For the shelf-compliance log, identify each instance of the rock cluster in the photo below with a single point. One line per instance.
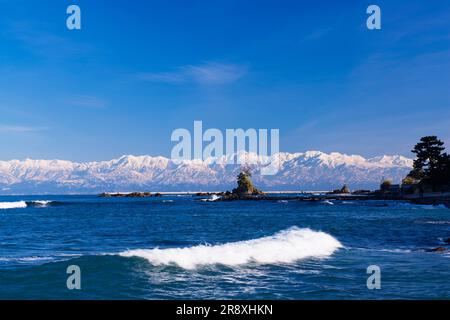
(130, 195)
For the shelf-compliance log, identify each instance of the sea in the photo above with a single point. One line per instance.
(188, 247)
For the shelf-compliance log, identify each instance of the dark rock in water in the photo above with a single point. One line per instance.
(245, 186)
(244, 191)
(447, 241)
(438, 249)
(136, 195)
(158, 195)
(235, 196)
(362, 192)
(128, 195)
(203, 194)
(343, 190)
(105, 195)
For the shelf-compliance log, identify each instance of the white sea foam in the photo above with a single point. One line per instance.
(327, 202)
(212, 199)
(25, 259)
(42, 203)
(396, 250)
(437, 222)
(385, 250)
(13, 205)
(285, 246)
(32, 259)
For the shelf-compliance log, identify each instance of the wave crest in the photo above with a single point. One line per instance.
(286, 246)
(24, 204)
(41, 203)
(213, 198)
(13, 205)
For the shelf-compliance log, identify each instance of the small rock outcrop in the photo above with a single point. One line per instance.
(343, 190)
(128, 195)
(245, 189)
(245, 185)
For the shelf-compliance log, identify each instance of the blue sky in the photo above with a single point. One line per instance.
(139, 69)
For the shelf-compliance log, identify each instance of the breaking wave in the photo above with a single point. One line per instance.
(286, 246)
(40, 203)
(13, 205)
(24, 204)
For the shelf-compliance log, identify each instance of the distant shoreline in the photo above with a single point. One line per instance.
(213, 192)
(153, 192)
(436, 198)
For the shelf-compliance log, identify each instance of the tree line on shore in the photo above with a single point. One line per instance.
(431, 168)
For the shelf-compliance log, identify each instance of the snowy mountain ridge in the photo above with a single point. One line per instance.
(311, 170)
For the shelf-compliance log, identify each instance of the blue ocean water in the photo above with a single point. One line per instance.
(178, 247)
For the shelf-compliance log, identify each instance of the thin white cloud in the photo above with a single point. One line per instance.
(210, 73)
(20, 129)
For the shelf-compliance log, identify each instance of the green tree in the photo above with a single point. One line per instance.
(408, 180)
(385, 185)
(442, 176)
(432, 165)
(429, 154)
(245, 185)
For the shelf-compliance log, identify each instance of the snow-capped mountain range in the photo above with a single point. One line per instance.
(312, 170)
